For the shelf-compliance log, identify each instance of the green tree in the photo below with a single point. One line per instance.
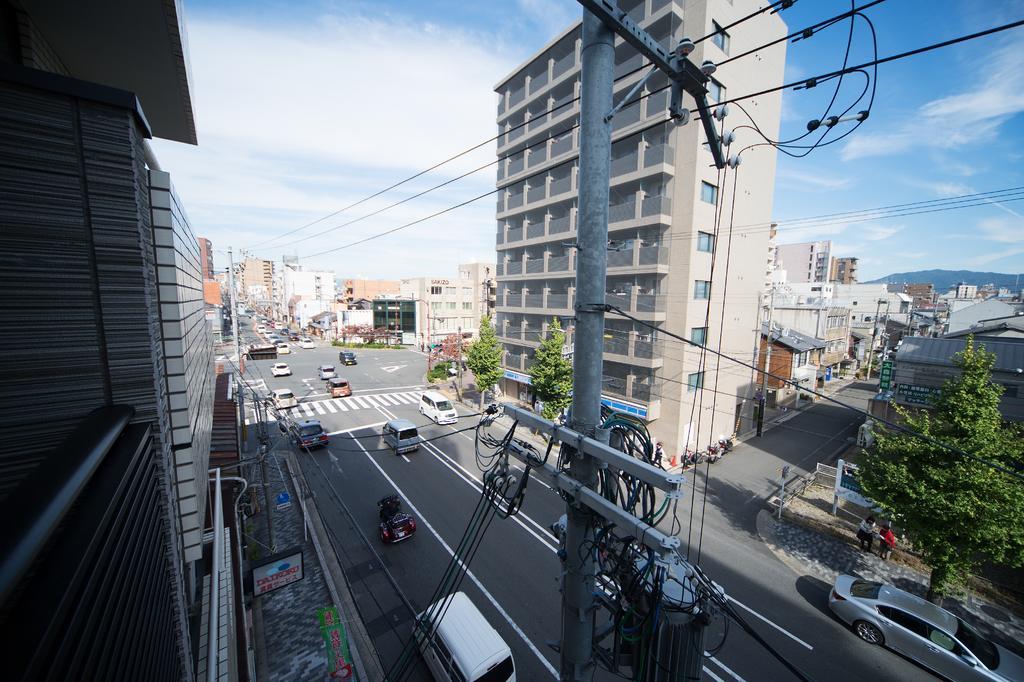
(484, 358)
(551, 372)
(956, 511)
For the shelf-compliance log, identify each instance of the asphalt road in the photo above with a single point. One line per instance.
(513, 576)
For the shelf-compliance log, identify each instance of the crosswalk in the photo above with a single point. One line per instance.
(356, 402)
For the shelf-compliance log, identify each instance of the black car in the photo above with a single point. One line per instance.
(395, 525)
(293, 336)
(309, 433)
(347, 357)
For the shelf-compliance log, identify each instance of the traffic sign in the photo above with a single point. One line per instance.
(284, 500)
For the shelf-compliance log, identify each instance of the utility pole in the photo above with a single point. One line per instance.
(240, 415)
(598, 55)
(874, 335)
(459, 365)
(763, 401)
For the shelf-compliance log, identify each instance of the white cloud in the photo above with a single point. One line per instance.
(972, 116)
(551, 17)
(911, 255)
(877, 233)
(987, 258)
(942, 188)
(791, 177)
(1005, 230)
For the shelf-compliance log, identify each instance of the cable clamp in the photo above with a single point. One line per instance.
(592, 308)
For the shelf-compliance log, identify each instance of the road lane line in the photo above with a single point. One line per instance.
(307, 409)
(391, 399)
(318, 406)
(713, 676)
(389, 388)
(340, 404)
(329, 405)
(514, 466)
(478, 488)
(469, 573)
(403, 398)
(780, 629)
(724, 667)
(356, 428)
(358, 400)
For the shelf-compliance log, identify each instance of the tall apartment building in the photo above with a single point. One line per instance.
(306, 293)
(805, 262)
(664, 190)
(106, 424)
(258, 286)
(843, 270)
(447, 306)
(206, 257)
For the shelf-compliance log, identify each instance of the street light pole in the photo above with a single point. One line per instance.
(763, 401)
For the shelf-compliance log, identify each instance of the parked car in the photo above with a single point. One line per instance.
(281, 369)
(401, 434)
(339, 388)
(309, 433)
(284, 398)
(283, 348)
(923, 632)
(326, 372)
(395, 525)
(307, 343)
(347, 357)
(261, 329)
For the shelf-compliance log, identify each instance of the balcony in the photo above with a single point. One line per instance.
(538, 121)
(562, 146)
(559, 225)
(517, 96)
(514, 267)
(517, 131)
(515, 234)
(564, 65)
(662, 153)
(653, 255)
(538, 155)
(557, 301)
(625, 164)
(623, 211)
(516, 165)
(534, 301)
(536, 193)
(515, 201)
(618, 259)
(535, 266)
(534, 230)
(558, 264)
(627, 116)
(656, 206)
(513, 299)
(616, 345)
(633, 62)
(539, 81)
(561, 186)
(499, 269)
(657, 104)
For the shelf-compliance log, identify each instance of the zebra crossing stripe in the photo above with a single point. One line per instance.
(329, 405)
(340, 404)
(401, 398)
(391, 399)
(307, 409)
(358, 401)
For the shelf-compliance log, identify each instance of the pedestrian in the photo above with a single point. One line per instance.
(887, 541)
(866, 533)
(659, 453)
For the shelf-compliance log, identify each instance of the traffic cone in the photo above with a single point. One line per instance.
(673, 459)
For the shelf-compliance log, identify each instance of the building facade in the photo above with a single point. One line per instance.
(922, 294)
(206, 256)
(805, 262)
(355, 289)
(843, 270)
(820, 320)
(793, 363)
(448, 306)
(305, 293)
(258, 283)
(664, 193)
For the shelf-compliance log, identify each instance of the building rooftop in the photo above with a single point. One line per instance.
(926, 350)
(1012, 322)
(793, 339)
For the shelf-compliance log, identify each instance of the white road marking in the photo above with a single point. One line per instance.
(356, 428)
(780, 629)
(389, 398)
(469, 573)
(712, 675)
(360, 401)
(724, 667)
(307, 409)
(403, 398)
(319, 407)
(340, 404)
(329, 405)
(372, 399)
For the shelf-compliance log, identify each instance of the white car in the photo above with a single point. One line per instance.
(306, 342)
(262, 329)
(326, 372)
(284, 398)
(281, 369)
(283, 348)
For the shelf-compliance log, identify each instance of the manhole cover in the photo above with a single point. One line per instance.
(995, 613)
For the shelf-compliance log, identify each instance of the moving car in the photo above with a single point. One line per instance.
(262, 329)
(438, 408)
(347, 357)
(306, 342)
(464, 645)
(401, 434)
(921, 631)
(281, 369)
(293, 336)
(395, 525)
(283, 348)
(284, 398)
(339, 388)
(326, 372)
(309, 433)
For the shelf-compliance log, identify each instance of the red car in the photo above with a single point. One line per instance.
(395, 525)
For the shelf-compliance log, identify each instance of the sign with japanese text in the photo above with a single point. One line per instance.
(916, 395)
(282, 569)
(339, 659)
(885, 376)
(848, 487)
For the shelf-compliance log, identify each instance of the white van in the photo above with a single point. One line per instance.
(464, 645)
(438, 408)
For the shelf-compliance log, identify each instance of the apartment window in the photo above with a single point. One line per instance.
(708, 192)
(467, 291)
(720, 37)
(451, 305)
(702, 289)
(435, 291)
(716, 91)
(436, 306)
(694, 382)
(467, 305)
(699, 335)
(705, 242)
(449, 291)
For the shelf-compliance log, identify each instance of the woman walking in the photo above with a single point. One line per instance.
(866, 533)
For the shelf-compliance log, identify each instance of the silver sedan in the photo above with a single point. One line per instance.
(935, 638)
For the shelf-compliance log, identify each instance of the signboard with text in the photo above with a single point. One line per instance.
(282, 569)
(916, 395)
(339, 659)
(885, 376)
(848, 487)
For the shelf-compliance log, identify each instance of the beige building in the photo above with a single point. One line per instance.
(446, 306)
(843, 270)
(805, 262)
(353, 290)
(664, 191)
(258, 276)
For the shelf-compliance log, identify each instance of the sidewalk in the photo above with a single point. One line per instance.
(821, 557)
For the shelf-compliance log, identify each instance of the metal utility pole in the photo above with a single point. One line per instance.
(598, 55)
(874, 335)
(763, 401)
(240, 415)
(459, 365)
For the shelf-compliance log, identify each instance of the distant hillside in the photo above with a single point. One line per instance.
(943, 280)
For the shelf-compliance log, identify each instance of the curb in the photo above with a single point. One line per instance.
(368, 668)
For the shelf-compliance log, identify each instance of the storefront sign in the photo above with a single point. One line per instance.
(283, 569)
(885, 376)
(916, 395)
(848, 487)
(518, 376)
(442, 282)
(623, 406)
(339, 659)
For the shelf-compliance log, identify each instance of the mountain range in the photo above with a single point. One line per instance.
(943, 280)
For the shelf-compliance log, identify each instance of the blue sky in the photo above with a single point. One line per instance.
(305, 107)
